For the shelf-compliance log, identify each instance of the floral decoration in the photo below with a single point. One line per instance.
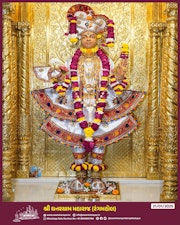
(111, 188)
(89, 142)
(73, 36)
(87, 166)
(62, 88)
(115, 192)
(60, 190)
(110, 34)
(87, 187)
(124, 51)
(118, 87)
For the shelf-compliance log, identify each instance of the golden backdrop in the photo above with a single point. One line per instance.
(127, 157)
(33, 33)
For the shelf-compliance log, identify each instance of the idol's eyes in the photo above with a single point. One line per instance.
(88, 36)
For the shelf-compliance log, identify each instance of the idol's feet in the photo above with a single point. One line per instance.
(77, 185)
(97, 184)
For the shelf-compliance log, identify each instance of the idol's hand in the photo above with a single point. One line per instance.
(122, 69)
(57, 73)
(57, 70)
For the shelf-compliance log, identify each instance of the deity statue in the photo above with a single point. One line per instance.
(89, 104)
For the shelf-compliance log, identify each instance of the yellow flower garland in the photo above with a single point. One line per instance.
(88, 132)
(89, 50)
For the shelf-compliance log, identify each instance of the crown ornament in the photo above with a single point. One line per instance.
(82, 18)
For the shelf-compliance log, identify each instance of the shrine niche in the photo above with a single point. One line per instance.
(29, 40)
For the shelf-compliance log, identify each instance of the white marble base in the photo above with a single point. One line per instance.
(42, 189)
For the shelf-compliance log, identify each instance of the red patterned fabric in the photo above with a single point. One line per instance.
(129, 102)
(71, 139)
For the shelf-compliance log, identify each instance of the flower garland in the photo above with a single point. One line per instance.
(62, 88)
(89, 50)
(73, 36)
(88, 142)
(124, 51)
(110, 34)
(118, 87)
(87, 166)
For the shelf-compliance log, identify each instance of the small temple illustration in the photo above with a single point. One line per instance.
(29, 214)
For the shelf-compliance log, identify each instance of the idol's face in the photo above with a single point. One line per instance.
(88, 39)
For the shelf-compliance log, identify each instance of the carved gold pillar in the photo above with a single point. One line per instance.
(8, 129)
(23, 29)
(153, 122)
(14, 103)
(170, 151)
(163, 112)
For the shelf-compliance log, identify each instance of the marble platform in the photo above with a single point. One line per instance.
(42, 189)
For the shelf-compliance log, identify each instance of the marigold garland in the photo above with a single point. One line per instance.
(87, 166)
(124, 51)
(88, 142)
(89, 50)
(110, 34)
(73, 37)
(62, 88)
(118, 87)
